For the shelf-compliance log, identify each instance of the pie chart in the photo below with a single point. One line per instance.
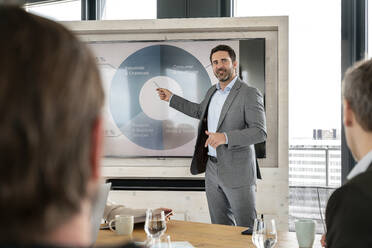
(135, 106)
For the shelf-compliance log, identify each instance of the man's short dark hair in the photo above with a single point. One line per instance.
(357, 91)
(50, 99)
(223, 48)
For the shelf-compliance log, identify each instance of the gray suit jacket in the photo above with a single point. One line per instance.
(243, 120)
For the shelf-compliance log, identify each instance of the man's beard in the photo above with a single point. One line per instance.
(225, 77)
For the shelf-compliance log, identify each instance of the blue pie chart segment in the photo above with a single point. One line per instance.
(130, 77)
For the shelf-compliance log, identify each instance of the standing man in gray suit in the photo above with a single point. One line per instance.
(232, 120)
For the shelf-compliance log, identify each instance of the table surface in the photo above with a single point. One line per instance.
(201, 235)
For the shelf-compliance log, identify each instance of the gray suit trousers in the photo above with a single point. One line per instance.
(229, 205)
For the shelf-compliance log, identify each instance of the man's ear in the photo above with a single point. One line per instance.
(348, 114)
(235, 64)
(96, 148)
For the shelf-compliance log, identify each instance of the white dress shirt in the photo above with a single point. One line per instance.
(361, 166)
(214, 111)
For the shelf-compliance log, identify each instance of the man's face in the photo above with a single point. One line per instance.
(223, 67)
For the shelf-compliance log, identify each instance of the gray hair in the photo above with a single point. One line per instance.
(357, 91)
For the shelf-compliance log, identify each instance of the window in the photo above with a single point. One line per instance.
(128, 9)
(68, 10)
(314, 97)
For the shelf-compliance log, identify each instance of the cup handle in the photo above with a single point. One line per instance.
(110, 225)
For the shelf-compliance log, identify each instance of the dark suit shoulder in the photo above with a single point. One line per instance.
(362, 181)
(348, 214)
(360, 185)
(355, 190)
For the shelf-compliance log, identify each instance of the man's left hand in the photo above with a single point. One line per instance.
(215, 139)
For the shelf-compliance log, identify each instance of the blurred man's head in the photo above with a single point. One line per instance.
(357, 94)
(50, 103)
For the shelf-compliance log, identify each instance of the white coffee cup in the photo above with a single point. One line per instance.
(123, 224)
(305, 232)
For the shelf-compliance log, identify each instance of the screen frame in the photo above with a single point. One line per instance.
(273, 29)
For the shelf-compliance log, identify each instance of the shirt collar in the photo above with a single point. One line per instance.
(361, 166)
(229, 86)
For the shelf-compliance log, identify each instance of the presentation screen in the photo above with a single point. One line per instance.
(137, 123)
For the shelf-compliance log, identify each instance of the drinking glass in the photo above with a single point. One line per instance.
(155, 224)
(270, 235)
(264, 233)
(257, 233)
(162, 242)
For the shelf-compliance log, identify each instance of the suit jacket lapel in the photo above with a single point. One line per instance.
(230, 98)
(208, 100)
(200, 158)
